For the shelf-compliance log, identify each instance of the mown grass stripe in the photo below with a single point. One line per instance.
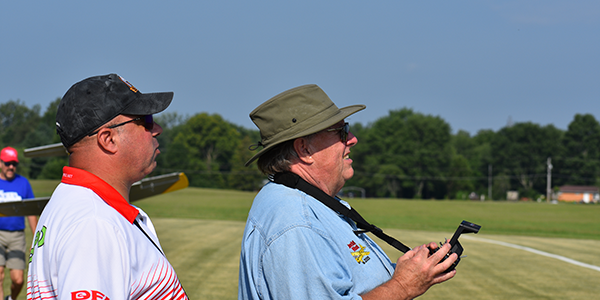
(539, 252)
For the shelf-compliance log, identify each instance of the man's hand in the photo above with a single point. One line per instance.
(416, 271)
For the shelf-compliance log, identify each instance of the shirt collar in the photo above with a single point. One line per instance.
(88, 180)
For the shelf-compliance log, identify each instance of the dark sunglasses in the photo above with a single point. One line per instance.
(11, 163)
(344, 130)
(148, 123)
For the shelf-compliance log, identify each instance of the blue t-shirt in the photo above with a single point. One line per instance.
(16, 189)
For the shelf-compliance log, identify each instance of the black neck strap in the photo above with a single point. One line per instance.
(153, 243)
(294, 181)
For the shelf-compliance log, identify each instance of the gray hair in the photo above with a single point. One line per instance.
(279, 158)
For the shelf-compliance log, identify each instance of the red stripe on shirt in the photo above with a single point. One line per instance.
(109, 194)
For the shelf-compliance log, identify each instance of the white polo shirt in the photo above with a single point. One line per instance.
(87, 247)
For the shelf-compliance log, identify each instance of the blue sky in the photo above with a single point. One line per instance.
(476, 64)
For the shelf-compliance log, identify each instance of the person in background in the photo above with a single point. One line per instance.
(90, 243)
(12, 229)
(294, 245)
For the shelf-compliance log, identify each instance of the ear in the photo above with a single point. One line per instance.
(106, 139)
(302, 148)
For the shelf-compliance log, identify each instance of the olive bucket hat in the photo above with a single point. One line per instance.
(295, 113)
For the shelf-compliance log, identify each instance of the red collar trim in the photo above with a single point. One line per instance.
(88, 180)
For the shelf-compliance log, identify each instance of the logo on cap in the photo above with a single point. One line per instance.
(131, 87)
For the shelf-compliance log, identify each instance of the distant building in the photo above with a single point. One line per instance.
(512, 195)
(348, 192)
(579, 193)
(473, 196)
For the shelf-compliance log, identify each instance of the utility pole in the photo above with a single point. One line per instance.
(549, 181)
(490, 182)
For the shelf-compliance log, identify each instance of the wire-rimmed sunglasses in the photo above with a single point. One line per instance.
(148, 123)
(344, 130)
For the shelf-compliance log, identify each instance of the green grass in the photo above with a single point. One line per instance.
(205, 254)
(43, 188)
(522, 218)
(198, 203)
(563, 220)
(200, 231)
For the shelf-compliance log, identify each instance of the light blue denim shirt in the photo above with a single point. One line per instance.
(294, 247)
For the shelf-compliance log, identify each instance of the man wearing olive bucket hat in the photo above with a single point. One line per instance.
(301, 241)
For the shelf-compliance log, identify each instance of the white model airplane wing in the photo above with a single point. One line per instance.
(47, 150)
(144, 188)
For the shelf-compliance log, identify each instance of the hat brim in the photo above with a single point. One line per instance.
(149, 103)
(342, 113)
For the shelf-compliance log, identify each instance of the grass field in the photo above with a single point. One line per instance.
(200, 231)
(496, 217)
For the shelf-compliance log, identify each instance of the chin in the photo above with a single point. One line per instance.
(348, 175)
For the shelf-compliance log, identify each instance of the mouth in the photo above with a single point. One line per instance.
(155, 154)
(347, 156)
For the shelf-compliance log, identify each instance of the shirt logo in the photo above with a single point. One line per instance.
(91, 295)
(9, 196)
(40, 237)
(359, 253)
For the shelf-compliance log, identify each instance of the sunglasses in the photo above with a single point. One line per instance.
(11, 163)
(148, 123)
(344, 130)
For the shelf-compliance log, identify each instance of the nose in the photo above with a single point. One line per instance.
(352, 139)
(157, 129)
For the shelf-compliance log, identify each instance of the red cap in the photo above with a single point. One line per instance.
(9, 154)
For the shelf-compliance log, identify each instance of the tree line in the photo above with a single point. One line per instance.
(405, 154)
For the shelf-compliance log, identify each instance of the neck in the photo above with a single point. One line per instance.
(314, 179)
(105, 168)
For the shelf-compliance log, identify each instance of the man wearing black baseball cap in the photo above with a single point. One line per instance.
(90, 243)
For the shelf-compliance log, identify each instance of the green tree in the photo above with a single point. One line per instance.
(48, 121)
(203, 147)
(171, 159)
(241, 177)
(521, 152)
(44, 134)
(480, 159)
(581, 160)
(53, 168)
(363, 171)
(171, 123)
(22, 127)
(500, 186)
(405, 154)
(477, 152)
(459, 177)
(16, 121)
(463, 143)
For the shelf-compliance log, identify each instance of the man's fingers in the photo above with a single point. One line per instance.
(441, 252)
(432, 246)
(443, 266)
(443, 277)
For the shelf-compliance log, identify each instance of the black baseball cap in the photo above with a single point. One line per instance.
(94, 101)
